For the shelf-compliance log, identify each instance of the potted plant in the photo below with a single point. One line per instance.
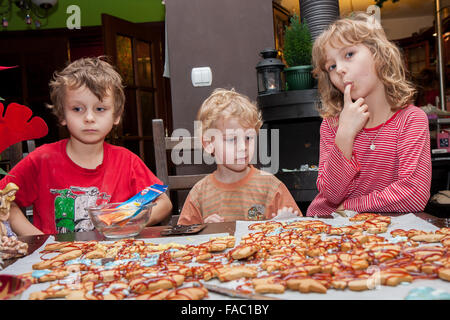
(297, 54)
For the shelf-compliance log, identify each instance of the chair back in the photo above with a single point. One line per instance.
(14, 153)
(162, 144)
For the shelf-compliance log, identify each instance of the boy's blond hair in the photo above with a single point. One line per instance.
(223, 104)
(96, 74)
(361, 28)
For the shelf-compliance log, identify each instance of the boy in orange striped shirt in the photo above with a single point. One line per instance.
(236, 190)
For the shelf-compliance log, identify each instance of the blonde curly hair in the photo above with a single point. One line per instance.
(361, 28)
(96, 74)
(224, 104)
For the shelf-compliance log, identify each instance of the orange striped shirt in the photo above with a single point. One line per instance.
(254, 197)
(395, 177)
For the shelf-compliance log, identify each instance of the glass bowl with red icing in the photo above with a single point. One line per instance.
(114, 221)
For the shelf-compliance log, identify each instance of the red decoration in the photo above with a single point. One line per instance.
(4, 68)
(16, 125)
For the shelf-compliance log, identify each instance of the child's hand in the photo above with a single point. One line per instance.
(214, 218)
(340, 207)
(285, 210)
(354, 115)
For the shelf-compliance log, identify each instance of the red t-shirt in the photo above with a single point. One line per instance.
(60, 190)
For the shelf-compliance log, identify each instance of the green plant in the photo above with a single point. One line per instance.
(297, 43)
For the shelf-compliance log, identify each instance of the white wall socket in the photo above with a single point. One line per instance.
(201, 77)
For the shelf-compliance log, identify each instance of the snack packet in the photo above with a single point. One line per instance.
(136, 202)
(145, 196)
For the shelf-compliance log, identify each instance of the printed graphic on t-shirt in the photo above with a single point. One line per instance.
(256, 212)
(70, 207)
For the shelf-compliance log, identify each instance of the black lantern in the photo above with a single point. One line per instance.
(269, 72)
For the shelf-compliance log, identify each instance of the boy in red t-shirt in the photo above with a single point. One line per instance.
(60, 180)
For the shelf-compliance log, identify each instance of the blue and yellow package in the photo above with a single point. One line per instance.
(137, 202)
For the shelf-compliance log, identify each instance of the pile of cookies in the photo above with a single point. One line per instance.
(11, 247)
(312, 256)
(301, 256)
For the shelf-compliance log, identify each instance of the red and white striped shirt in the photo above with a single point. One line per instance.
(395, 177)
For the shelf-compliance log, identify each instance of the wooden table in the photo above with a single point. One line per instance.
(35, 242)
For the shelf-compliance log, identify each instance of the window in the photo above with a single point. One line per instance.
(417, 57)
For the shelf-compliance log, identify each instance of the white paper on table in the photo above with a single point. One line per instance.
(405, 221)
(24, 265)
(348, 214)
(284, 215)
(402, 221)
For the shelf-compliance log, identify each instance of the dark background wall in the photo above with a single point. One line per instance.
(227, 36)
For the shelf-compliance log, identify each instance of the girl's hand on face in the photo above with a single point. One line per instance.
(214, 218)
(354, 115)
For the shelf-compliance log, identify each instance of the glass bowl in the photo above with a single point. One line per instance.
(12, 287)
(105, 216)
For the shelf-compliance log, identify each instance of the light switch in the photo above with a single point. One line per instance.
(201, 76)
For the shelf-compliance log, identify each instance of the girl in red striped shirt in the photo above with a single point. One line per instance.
(374, 145)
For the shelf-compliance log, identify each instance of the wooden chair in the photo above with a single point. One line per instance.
(162, 144)
(16, 152)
